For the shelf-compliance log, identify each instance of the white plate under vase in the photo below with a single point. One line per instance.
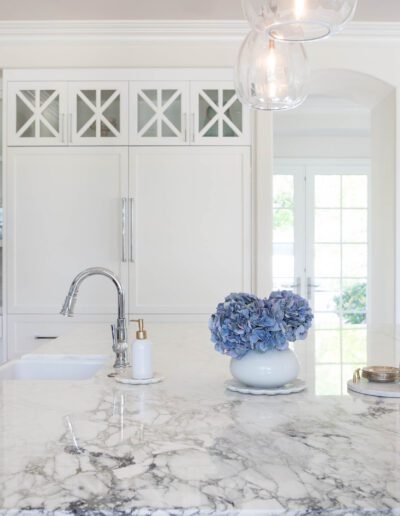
(268, 370)
(290, 388)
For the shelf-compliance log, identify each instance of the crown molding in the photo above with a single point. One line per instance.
(168, 30)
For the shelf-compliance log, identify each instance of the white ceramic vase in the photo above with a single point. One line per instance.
(266, 370)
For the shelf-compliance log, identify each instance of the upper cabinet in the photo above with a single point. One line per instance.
(187, 113)
(67, 113)
(37, 113)
(159, 113)
(126, 112)
(98, 114)
(218, 117)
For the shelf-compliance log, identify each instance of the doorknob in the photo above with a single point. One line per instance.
(296, 286)
(310, 287)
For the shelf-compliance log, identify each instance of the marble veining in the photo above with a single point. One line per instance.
(188, 447)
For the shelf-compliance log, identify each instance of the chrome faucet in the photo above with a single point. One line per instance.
(119, 330)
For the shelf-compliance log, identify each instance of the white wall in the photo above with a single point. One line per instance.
(382, 213)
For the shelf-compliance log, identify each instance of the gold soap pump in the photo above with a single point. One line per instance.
(142, 354)
(141, 333)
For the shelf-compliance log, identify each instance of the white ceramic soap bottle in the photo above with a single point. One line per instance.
(142, 354)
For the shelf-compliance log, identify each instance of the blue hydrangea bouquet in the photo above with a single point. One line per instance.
(244, 322)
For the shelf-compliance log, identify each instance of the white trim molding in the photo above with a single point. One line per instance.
(168, 30)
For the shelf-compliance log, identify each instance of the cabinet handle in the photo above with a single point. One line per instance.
(123, 229)
(45, 337)
(185, 126)
(62, 122)
(192, 127)
(70, 128)
(132, 229)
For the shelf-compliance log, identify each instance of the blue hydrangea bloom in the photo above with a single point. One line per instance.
(293, 311)
(243, 322)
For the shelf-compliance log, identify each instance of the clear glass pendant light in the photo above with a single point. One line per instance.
(299, 20)
(271, 75)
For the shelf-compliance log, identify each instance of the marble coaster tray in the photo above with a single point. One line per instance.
(363, 386)
(290, 388)
(132, 381)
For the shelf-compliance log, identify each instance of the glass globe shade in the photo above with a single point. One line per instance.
(271, 75)
(299, 20)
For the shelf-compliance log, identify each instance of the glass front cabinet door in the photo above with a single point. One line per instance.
(159, 113)
(37, 113)
(218, 117)
(98, 113)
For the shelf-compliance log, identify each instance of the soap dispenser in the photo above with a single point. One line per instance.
(142, 354)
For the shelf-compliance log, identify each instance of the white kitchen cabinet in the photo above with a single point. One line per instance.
(37, 113)
(187, 113)
(217, 115)
(26, 332)
(67, 113)
(190, 225)
(64, 213)
(159, 112)
(98, 113)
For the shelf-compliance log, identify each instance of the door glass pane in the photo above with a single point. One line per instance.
(91, 131)
(90, 95)
(283, 265)
(29, 132)
(45, 131)
(105, 95)
(327, 191)
(151, 131)
(327, 225)
(24, 114)
(235, 114)
(213, 131)
(174, 114)
(206, 114)
(145, 113)
(83, 114)
(341, 272)
(51, 114)
(45, 95)
(112, 114)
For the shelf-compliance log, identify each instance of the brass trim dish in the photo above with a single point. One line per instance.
(381, 374)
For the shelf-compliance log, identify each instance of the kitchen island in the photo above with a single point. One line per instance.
(188, 446)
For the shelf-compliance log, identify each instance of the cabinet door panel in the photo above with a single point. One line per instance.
(25, 333)
(98, 113)
(63, 215)
(218, 117)
(159, 113)
(36, 113)
(191, 228)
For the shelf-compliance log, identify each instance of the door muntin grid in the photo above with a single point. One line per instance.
(159, 113)
(220, 114)
(98, 113)
(37, 113)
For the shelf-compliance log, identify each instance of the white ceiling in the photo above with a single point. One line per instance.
(368, 10)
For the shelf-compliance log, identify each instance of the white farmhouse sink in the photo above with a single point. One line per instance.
(53, 367)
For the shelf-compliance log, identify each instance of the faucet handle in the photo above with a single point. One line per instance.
(114, 336)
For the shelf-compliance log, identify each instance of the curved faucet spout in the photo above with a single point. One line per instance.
(119, 330)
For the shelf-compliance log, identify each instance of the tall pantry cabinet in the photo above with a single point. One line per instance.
(147, 176)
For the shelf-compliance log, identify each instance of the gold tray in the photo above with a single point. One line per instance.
(381, 374)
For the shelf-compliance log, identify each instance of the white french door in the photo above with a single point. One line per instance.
(321, 252)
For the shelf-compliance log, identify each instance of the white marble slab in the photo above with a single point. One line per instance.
(188, 446)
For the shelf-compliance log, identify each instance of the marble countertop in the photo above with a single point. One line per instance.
(188, 446)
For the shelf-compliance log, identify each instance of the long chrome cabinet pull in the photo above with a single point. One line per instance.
(123, 229)
(62, 128)
(185, 126)
(192, 128)
(45, 337)
(132, 229)
(70, 128)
